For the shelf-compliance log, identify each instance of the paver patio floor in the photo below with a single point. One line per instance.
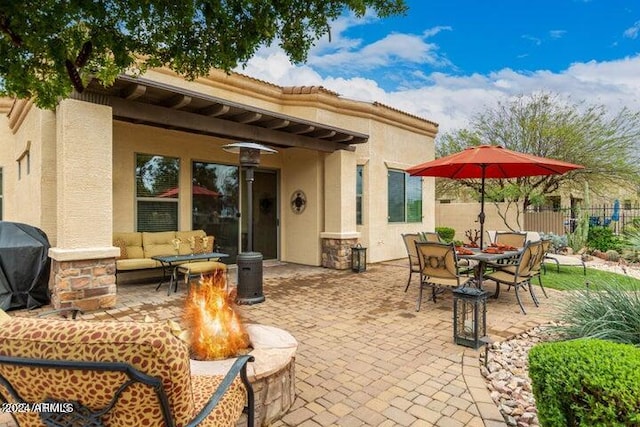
(365, 356)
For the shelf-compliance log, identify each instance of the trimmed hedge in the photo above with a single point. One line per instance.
(586, 382)
(446, 233)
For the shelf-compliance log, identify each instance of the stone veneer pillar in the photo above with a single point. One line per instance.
(339, 210)
(336, 252)
(83, 258)
(86, 284)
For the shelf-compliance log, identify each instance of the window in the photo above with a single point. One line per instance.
(157, 192)
(215, 190)
(404, 197)
(359, 172)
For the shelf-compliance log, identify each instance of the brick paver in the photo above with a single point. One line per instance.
(365, 356)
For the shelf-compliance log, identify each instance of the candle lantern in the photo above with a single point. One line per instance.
(470, 317)
(358, 258)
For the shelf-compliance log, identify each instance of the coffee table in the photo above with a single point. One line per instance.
(171, 262)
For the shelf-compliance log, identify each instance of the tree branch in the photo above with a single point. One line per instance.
(4, 26)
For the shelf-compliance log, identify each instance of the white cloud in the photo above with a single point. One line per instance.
(557, 34)
(392, 49)
(632, 32)
(535, 40)
(450, 100)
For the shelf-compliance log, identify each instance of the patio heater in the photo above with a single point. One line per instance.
(470, 317)
(249, 263)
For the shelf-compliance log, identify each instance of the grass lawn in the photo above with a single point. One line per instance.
(574, 278)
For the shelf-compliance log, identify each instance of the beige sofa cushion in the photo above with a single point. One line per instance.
(132, 243)
(136, 264)
(158, 243)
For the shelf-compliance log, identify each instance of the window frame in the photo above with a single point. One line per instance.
(408, 184)
(359, 194)
(155, 199)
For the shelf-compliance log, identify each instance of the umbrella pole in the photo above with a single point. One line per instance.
(481, 216)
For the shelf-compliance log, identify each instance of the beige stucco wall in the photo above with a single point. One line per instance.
(302, 170)
(391, 148)
(464, 216)
(83, 153)
(31, 197)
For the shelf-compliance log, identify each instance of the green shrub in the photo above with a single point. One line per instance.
(612, 255)
(603, 239)
(586, 383)
(607, 311)
(557, 242)
(446, 233)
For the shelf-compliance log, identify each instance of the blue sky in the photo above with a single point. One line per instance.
(449, 59)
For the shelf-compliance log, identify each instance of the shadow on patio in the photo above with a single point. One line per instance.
(365, 356)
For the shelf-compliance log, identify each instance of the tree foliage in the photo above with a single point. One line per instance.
(48, 47)
(547, 125)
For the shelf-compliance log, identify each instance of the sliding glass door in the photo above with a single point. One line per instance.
(216, 190)
(215, 199)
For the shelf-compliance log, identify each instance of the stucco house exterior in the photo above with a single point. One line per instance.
(145, 155)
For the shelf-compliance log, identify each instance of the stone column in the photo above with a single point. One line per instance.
(339, 210)
(83, 260)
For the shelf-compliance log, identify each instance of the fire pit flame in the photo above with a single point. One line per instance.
(216, 328)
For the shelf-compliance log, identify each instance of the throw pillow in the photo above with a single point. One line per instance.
(202, 245)
(198, 247)
(207, 242)
(123, 248)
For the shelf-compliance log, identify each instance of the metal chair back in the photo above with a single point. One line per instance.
(514, 239)
(438, 260)
(430, 236)
(410, 240)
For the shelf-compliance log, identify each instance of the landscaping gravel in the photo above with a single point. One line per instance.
(506, 369)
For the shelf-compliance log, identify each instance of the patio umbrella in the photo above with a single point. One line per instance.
(490, 161)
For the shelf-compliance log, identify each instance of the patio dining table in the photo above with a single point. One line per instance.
(485, 259)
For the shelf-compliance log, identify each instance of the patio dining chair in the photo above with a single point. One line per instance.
(517, 275)
(430, 236)
(511, 238)
(540, 249)
(438, 268)
(410, 240)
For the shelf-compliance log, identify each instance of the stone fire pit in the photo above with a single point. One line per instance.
(272, 374)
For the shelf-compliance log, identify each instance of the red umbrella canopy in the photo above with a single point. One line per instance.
(491, 161)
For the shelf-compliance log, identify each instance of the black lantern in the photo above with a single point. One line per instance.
(249, 263)
(358, 258)
(470, 317)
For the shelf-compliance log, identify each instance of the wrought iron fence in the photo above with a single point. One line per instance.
(563, 221)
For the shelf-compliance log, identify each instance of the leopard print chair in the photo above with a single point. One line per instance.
(150, 348)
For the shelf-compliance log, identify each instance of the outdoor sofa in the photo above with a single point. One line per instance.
(137, 248)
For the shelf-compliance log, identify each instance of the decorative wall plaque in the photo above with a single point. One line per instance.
(298, 201)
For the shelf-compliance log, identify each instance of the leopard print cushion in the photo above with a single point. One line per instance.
(203, 244)
(227, 412)
(120, 243)
(149, 347)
